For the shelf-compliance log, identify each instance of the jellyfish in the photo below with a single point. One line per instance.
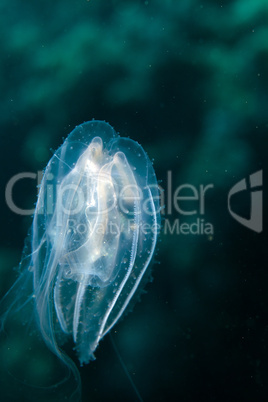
(92, 239)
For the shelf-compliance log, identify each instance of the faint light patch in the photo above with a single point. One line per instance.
(36, 147)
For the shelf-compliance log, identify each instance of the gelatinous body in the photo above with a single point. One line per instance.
(93, 236)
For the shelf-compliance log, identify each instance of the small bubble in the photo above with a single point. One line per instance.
(50, 176)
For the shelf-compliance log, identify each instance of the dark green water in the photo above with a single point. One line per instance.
(187, 80)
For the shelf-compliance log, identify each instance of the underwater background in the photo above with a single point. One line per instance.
(188, 80)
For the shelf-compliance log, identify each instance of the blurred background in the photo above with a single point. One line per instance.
(188, 80)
